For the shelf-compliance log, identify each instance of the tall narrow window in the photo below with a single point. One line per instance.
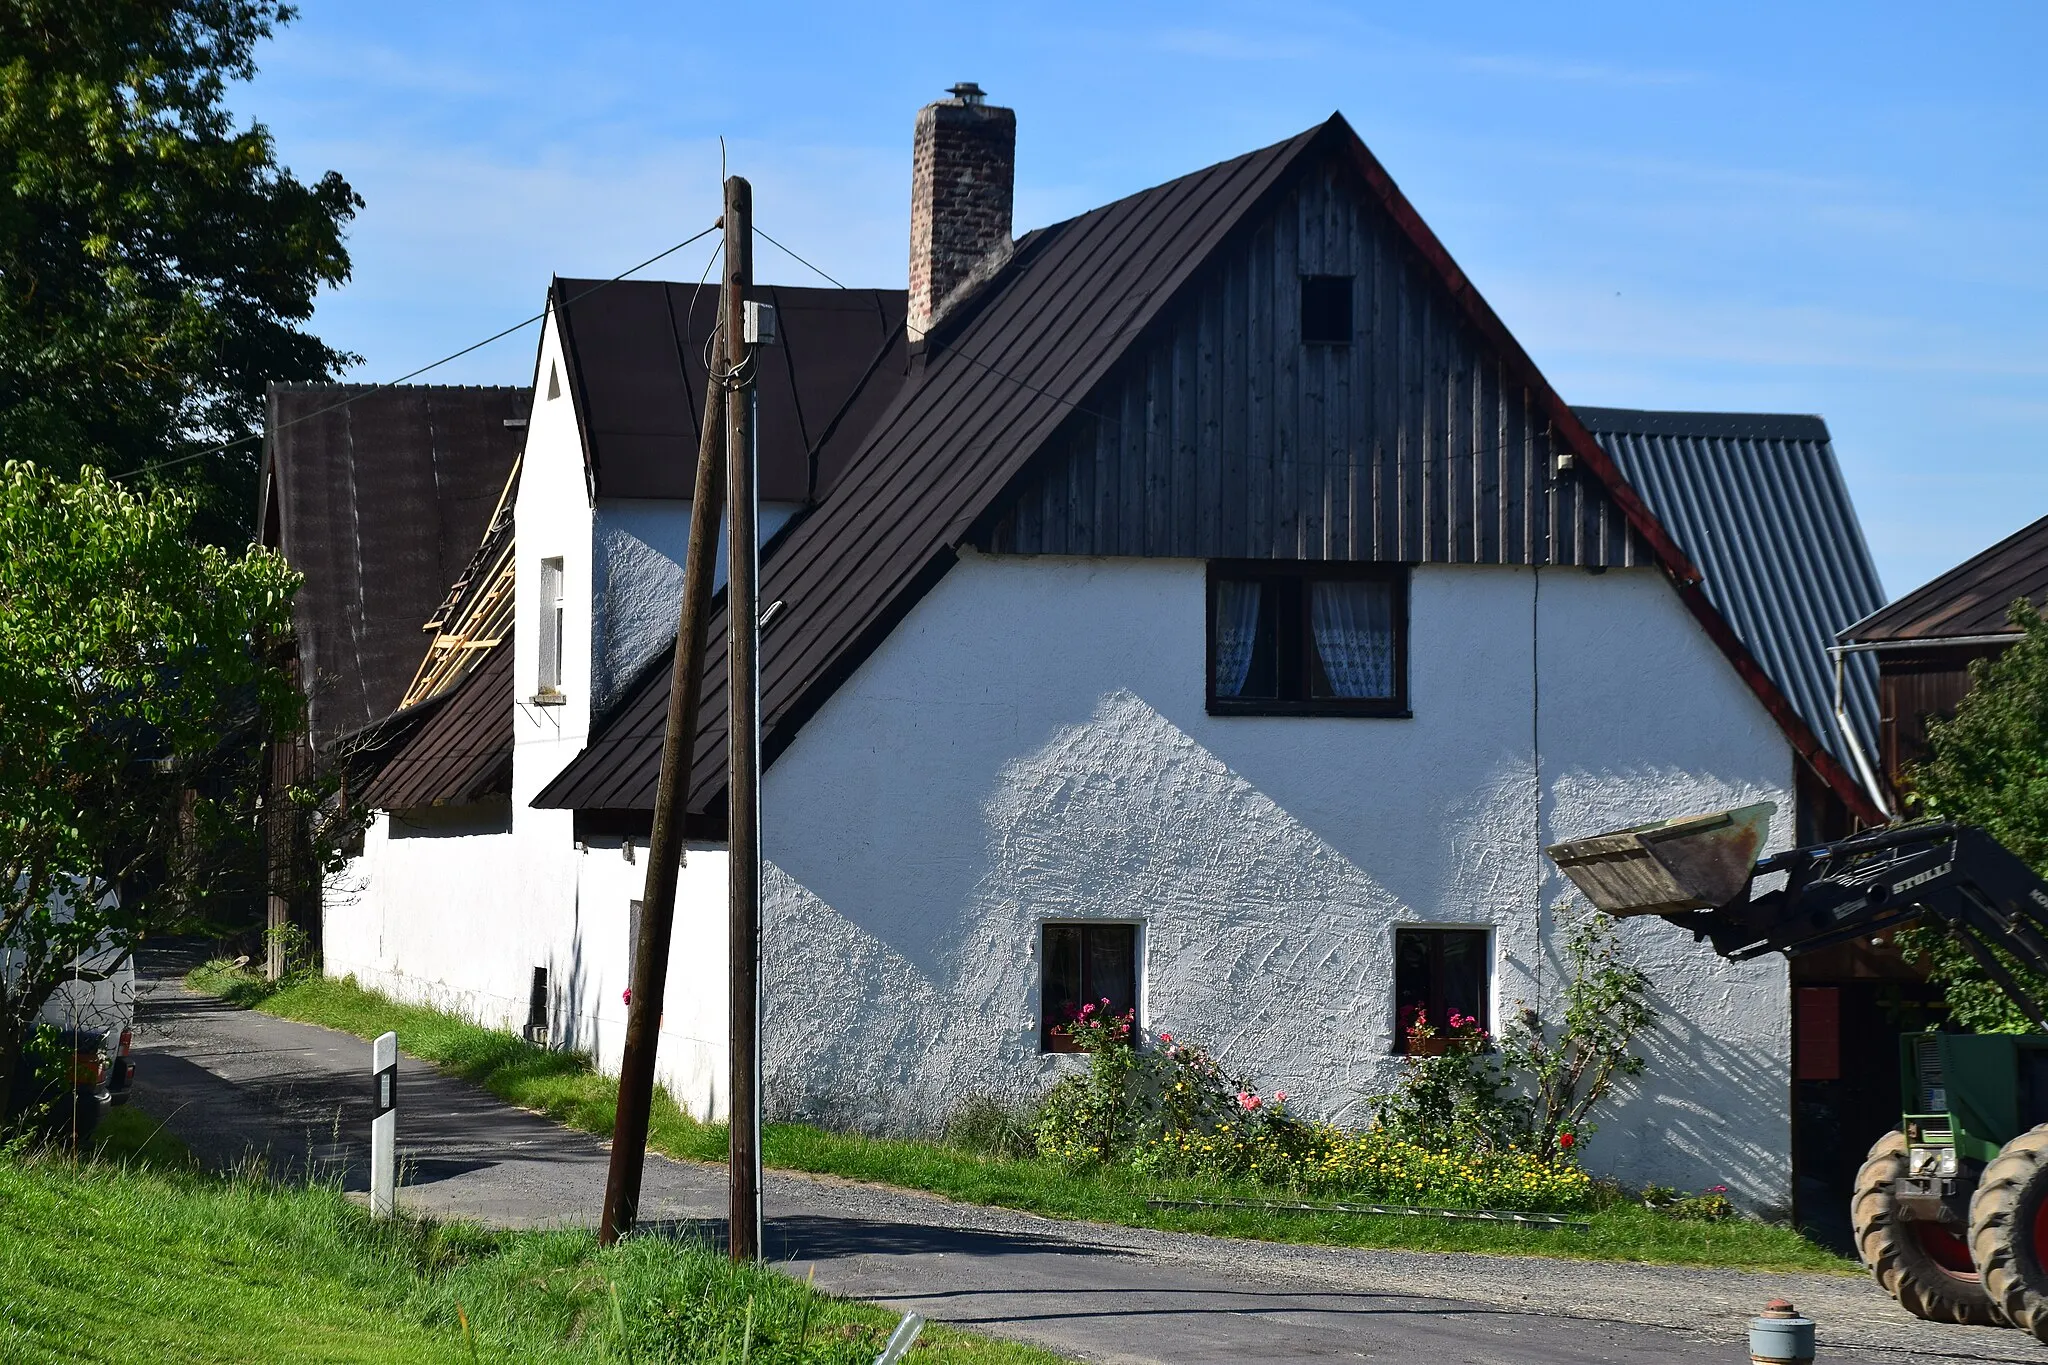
(551, 612)
(1438, 973)
(1085, 964)
(1307, 639)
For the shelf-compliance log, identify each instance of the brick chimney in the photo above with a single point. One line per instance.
(963, 166)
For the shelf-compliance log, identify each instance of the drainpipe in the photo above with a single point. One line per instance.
(1863, 768)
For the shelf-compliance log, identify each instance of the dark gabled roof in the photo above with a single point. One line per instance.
(635, 352)
(994, 381)
(463, 750)
(1758, 502)
(379, 496)
(1970, 599)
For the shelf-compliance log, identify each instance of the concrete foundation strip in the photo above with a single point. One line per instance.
(1536, 1220)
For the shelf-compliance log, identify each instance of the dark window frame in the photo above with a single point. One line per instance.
(1341, 295)
(1295, 639)
(1436, 935)
(1088, 990)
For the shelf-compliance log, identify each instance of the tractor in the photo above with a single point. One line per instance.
(1951, 1208)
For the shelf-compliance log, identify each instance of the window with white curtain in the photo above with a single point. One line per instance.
(1308, 639)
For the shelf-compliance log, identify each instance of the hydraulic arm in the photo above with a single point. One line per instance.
(1950, 1209)
(1862, 885)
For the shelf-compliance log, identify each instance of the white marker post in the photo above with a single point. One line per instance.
(384, 1127)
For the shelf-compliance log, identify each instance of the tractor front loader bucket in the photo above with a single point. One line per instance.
(1702, 862)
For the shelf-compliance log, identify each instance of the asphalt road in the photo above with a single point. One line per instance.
(241, 1086)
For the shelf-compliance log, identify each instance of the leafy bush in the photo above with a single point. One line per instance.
(1535, 1092)
(1989, 767)
(1710, 1205)
(1171, 1111)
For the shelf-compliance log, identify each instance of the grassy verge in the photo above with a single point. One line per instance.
(563, 1086)
(131, 1256)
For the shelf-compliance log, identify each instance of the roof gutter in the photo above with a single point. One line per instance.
(1928, 642)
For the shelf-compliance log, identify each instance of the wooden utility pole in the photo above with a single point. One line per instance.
(671, 804)
(743, 693)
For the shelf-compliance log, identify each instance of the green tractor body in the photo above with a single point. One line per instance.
(1971, 1093)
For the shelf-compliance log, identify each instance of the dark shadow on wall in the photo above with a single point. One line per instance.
(450, 822)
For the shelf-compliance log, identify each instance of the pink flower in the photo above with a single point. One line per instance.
(628, 995)
(1087, 1010)
(1247, 1100)
(1280, 1095)
(1166, 1037)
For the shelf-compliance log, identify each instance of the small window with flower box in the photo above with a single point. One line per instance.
(1088, 967)
(1442, 986)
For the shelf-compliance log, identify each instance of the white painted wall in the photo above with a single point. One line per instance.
(431, 913)
(1032, 744)
(456, 907)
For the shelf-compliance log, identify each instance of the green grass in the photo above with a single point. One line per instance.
(563, 1086)
(133, 1256)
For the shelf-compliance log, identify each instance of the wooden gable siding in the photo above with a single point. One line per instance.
(1225, 436)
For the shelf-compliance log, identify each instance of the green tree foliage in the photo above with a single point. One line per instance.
(156, 263)
(1989, 767)
(133, 708)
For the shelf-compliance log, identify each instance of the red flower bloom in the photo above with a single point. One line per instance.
(1166, 1037)
(1565, 1140)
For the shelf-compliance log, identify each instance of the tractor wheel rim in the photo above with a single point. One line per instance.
(1951, 1254)
(2040, 1240)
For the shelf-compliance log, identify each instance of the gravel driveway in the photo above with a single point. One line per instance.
(237, 1083)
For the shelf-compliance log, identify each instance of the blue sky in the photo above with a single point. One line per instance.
(1839, 209)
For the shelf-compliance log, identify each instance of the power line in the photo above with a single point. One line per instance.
(794, 257)
(414, 374)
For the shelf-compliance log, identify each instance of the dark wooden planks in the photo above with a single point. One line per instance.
(1225, 436)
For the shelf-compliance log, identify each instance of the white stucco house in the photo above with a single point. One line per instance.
(1203, 602)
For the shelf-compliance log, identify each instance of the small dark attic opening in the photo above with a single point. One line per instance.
(1326, 309)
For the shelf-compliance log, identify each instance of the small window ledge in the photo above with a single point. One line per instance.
(550, 698)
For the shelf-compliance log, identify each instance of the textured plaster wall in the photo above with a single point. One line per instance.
(1031, 744)
(639, 544)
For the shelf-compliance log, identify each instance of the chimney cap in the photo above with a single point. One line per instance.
(967, 92)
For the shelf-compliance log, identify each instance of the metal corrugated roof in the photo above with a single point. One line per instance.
(1970, 599)
(463, 752)
(636, 351)
(379, 495)
(996, 378)
(1758, 502)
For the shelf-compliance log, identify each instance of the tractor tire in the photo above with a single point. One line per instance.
(1927, 1268)
(2009, 1230)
